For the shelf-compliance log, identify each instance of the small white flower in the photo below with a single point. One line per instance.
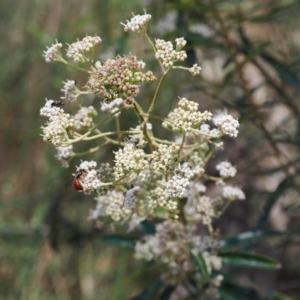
(63, 154)
(70, 91)
(112, 106)
(180, 43)
(227, 124)
(84, 118)
(82, 51)
(52, 52)
(166, 54)
(186, 117)
(137, 23)
(50, 110)
(177, 186)
(129, 160)
(226, 169)
(233, 193)
(195, 70)
(87, 165)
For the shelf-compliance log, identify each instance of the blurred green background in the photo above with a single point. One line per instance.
(250, 55)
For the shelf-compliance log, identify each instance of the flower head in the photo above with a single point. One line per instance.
(186, 117)
(118, 78)
(227, 124)
(137, 23)
(52, 52)
(82, 51)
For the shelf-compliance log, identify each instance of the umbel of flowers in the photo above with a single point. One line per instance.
(153, 179)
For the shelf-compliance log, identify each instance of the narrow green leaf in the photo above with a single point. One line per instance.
(277, 296)
(250, 237)
(230, 291)
(248, 260)
(118, 240)
(200, 262)
(167, 293)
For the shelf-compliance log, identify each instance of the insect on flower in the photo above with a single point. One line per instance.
(57, 103)
(77, 183)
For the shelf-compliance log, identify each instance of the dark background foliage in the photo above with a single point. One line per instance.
(250, 55)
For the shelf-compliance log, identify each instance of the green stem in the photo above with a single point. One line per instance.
(71, 66)
(154, 50)
(157, 90)
(182, 142)
(109, 133)
(225, 208)
(91, 150)
(91, 130)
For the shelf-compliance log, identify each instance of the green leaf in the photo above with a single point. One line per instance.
(118, 240)
(250, 237)
(248, 260)
(200, 263)
(167, 293)
(277, 296)
(230, 291)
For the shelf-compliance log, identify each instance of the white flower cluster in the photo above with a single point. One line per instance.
(194, 190)
(116, 208)
(190, 172)
(176, 186)
(186, 117)
(157, 197)
(213, 262)
(52, 52)
(170, 247)
(63, 154)
(89, 179)
(166, 54)
(180, 43)
(195, 70)
(110, 205)
(227, 124)
(59, 125)
(226, 169)
(50, 110)
(129, 160)
(205, 128)
(200, 208)
(112, 106)
(201, 243)
(137, 23)
(86, 165)
(84, 118)
(165, 158)
(233, 193)
(70, 91)
(82, 51)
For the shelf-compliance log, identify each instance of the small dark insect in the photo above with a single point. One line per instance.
(57, 103)
(77, 184)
